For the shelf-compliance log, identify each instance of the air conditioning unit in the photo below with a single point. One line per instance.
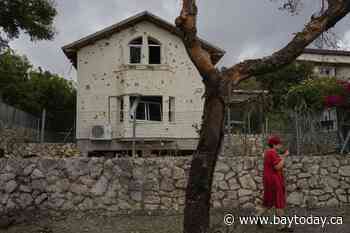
(101, 132)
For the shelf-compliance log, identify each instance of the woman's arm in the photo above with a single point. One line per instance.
(280, 165)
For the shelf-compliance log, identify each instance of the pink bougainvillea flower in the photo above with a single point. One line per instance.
(345, 84)
(334, 100)
(347, 88)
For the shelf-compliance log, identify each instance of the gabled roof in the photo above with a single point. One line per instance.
(71, 50)
(327, 52)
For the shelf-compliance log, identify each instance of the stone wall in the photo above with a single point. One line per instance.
(48, 150)
(11, 135)
(156, 184)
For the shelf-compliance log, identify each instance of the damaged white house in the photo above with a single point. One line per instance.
(138, 91)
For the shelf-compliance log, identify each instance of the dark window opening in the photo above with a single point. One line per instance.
(135, 51)
(135, 55)
(154, 52)
(149, 108)
(327, 71)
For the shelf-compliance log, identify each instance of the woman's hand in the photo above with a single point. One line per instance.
(286, 153)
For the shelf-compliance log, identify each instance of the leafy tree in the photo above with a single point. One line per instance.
(278, 83)
(34, 17)
(217, 84)
(13, 73)
(316, 94)
(32, 91)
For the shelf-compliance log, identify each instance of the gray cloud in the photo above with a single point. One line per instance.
(244, 28)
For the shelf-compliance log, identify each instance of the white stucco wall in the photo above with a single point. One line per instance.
(341, 63)
(103, 71)
(336, 59)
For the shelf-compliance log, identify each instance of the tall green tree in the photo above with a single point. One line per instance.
(278, 83)
(33, 90)
(33, 17)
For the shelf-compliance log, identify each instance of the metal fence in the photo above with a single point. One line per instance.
(12, 117)
(302, 132)
(60, 127)
(21, 126)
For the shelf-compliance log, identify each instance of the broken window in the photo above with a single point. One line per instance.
(135, 50)
(149, 108)
(154, 51)
(171, 109)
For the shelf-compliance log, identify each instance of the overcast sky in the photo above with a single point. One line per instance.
(244, 28)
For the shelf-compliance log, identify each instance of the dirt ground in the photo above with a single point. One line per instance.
(95, 223)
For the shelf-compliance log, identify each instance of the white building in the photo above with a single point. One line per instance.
(138, 65)
(333, 63)
(328, 62)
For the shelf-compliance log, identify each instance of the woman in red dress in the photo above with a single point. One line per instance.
(273, 179)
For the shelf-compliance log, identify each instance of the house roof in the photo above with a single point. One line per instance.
(71, 49)
(327, 52)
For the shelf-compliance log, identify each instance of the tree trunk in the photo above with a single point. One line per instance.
(198, 192)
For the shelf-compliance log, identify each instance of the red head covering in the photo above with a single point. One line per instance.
(274, 140)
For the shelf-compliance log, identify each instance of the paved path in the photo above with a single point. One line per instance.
(94, 223)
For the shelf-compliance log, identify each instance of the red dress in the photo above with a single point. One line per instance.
(274, 187)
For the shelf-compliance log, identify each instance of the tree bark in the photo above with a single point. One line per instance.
(198, 191)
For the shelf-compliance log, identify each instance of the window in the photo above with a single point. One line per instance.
(153, 51)
(171, 109)
(327, 71)
(136, 50)
(329, 120)
(149, 108)
(121, 108)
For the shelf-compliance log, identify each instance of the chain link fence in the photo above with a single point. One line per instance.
(18, 124)
(11, 117)
(302, 132)
(60, 127)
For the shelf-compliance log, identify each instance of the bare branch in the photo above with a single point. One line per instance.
(187, 23)
(293, 6)
(337, 9)
(328, 39)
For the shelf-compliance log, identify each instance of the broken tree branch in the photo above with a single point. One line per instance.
(187, 23)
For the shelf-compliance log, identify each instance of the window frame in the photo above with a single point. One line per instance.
(147, 114)
(131, 45)
(332, 71)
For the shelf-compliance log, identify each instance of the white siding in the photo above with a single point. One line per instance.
(103, 71)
